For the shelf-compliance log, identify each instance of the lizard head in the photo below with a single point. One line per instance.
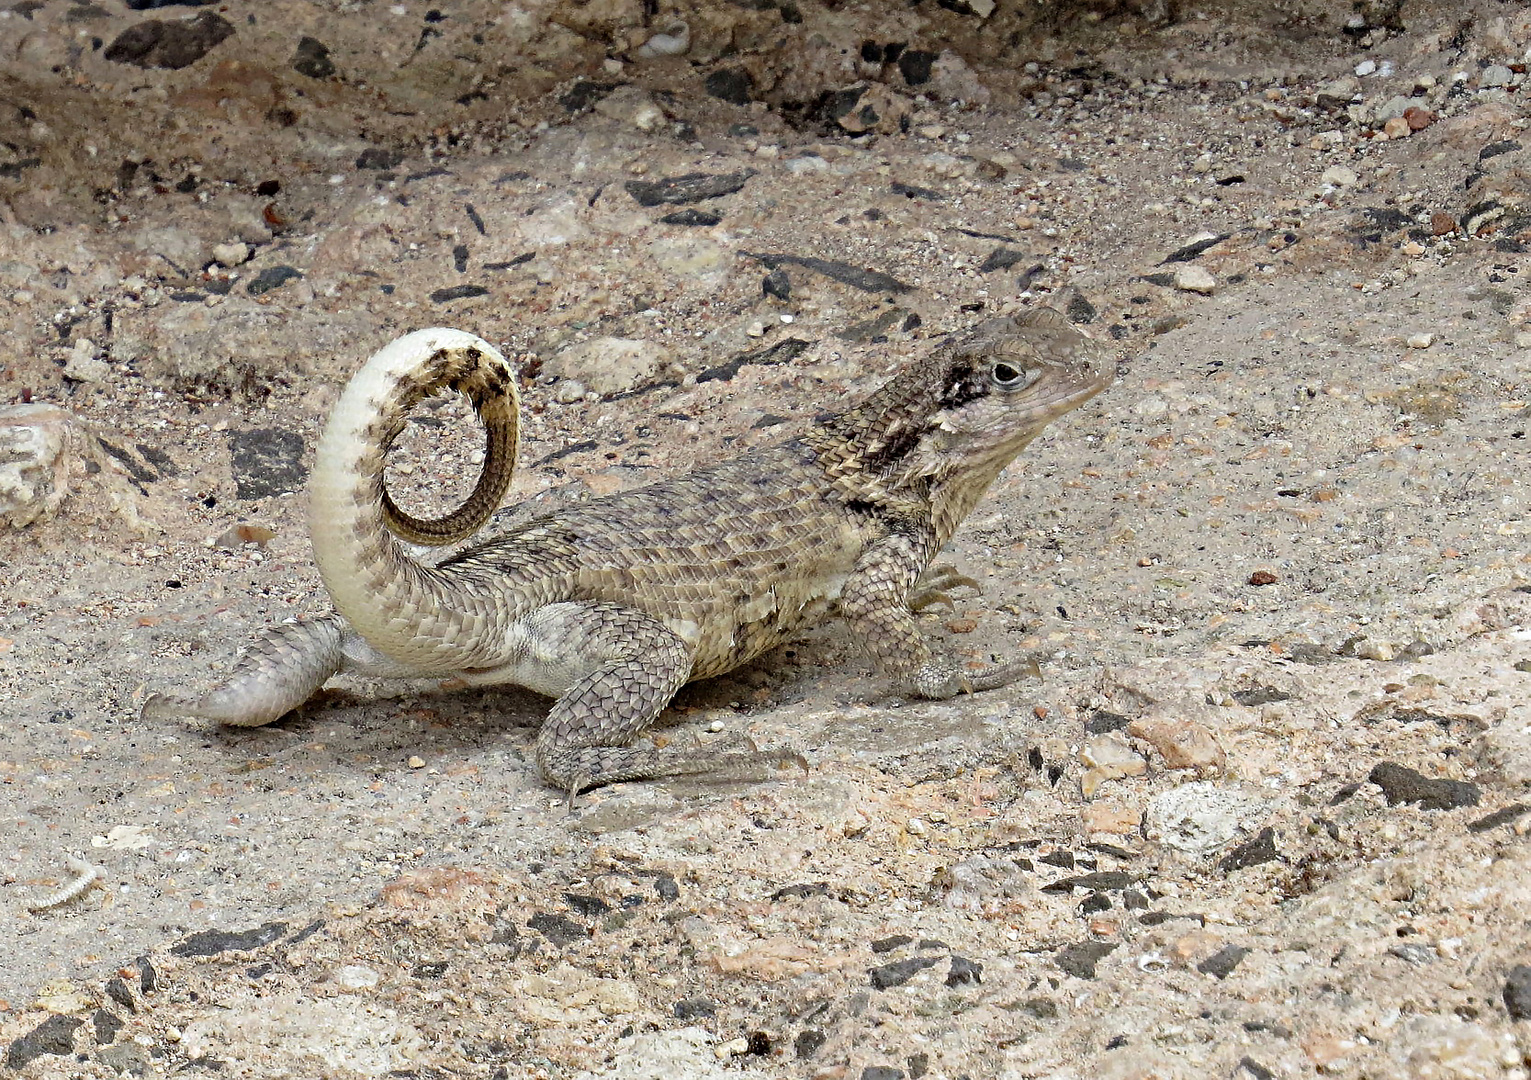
(940, 431)
(971, 406)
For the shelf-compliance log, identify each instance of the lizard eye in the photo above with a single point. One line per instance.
(1009, 377)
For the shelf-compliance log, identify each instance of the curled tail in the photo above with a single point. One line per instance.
(410, 612)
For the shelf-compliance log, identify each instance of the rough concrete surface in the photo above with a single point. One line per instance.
(1265, 812)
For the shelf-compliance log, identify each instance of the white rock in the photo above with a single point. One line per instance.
(673, 40)
(1201, 816)
(1366, 67)
(631, 105)
(36, 444)
(83, 365)
(1191, 278)
(1338, 176)
(1420, 341)
(230, 255)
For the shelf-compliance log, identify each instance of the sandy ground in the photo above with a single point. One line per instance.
(1265, 813)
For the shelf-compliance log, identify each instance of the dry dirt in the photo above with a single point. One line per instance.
(1264, 814)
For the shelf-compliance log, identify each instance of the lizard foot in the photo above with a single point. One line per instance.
(942, 679)
(734, 758)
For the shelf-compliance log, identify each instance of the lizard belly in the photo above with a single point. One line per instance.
(735, 634)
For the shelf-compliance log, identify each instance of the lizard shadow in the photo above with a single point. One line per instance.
(370, 728)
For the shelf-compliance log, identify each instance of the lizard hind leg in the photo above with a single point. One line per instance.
(630, 666)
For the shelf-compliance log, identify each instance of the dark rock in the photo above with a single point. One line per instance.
(777, 284)
(919, 1065)
(665, 887)
(106, 1025)
(559, 929)
(1059, 858)
(1252, 852)
(782, 352)
(591, 907)
(1080, 311)
(1400, 784)
(149, 5)
(457, 292)
(11, 170)
(1041, 1008)
(888, 944)
(118, 991)
(964, 972)
(693, 1008)
(692, 216)
(213, 942)
(915, 65)
(173, 45)
(1494, 149)
(844, 273)
(1499, 817)
(874, 329)
(690, 188)
(808, 1042)
(460, 258)
(732, 85)
(307, 932)
(1255, 1069)
(54, 1035)
(520, 260)
(882, 1072)
(267, 461)
(802, 891)
(379, 158)
(900, 971)
(273, 277)
(431, 969)
(1001, 258)
(1102, 722)
(584, 94)
(1080, 958)
(1517, 992)
(1095, 902)
(914, 191)
(148, 978)
(1103, 879)
(1221, 963)
(313, 59)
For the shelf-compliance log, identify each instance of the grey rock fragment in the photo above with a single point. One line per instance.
(154, 43)
(690, 188)
(1400, 784)
(267, 461)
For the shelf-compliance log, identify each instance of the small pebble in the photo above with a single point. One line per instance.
(231, 255)
(1420, 341)
(1366, 67)
(1338, 176)
(1195, 279)
(416, 762)
(569, 391)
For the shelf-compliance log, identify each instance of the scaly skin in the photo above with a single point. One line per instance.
(612, 606)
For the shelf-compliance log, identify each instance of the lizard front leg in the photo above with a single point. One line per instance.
(613, 670)
(875, 601)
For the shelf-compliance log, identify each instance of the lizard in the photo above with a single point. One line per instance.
(610, 606)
